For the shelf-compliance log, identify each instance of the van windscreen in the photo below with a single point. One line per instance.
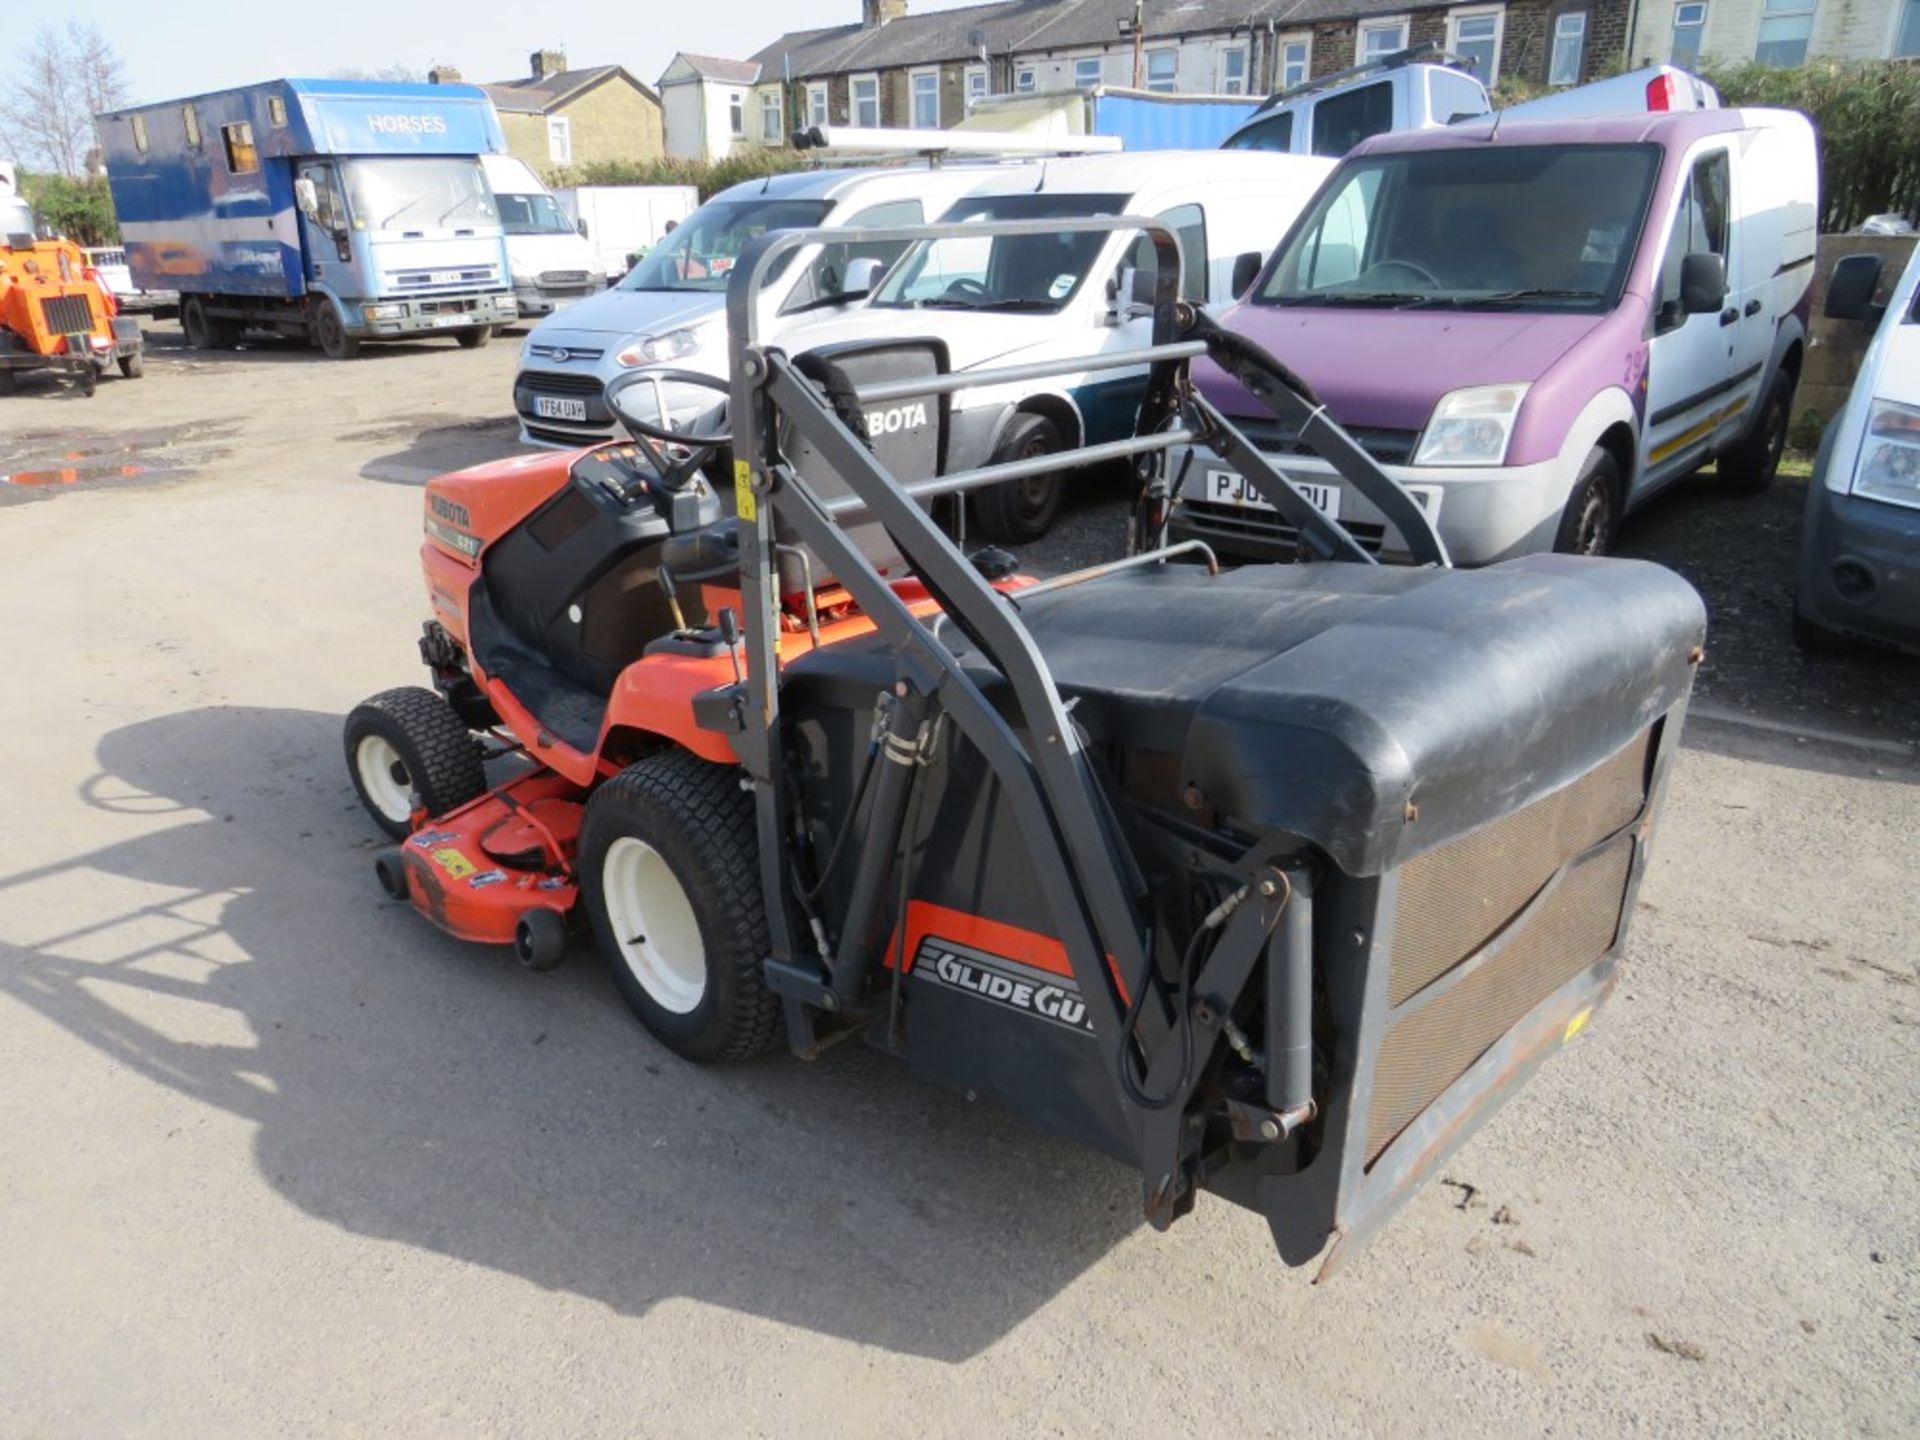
(1541, 227)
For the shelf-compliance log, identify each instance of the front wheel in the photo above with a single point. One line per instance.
(1592, 515)
(474, 337)
(669, 870)
(330, 333)
(1017, 512)
(407, 745)
(1750, 466)
(133, 366)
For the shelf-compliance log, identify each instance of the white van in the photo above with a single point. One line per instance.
(1331, 115)
(1005, 300)
(552, 266)
(622, 221)
(670, 310)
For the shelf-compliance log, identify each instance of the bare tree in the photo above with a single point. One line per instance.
(64, 80)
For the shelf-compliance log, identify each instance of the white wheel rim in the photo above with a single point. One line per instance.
(383, 775)
(654, 925)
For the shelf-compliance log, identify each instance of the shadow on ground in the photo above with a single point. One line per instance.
(409, 1087)
(433, 447)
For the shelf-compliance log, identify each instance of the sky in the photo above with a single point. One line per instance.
(183, 47)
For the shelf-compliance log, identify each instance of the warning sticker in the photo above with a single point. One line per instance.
(745, 503)
(453, 862)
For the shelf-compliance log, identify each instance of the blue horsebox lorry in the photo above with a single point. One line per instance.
(342, 211)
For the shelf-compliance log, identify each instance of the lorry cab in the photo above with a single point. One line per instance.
(670, 309)
(1018, 299)
(339, 210)
(552, 263)
(1536, 327)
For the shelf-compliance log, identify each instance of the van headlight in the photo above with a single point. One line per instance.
(659, 349)
(1890, 455)
(1471, 427)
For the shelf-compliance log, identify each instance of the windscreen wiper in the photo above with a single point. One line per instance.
(1514, 297)
(401, 211)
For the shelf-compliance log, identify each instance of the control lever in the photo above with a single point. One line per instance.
(673, 600)
(730, 637)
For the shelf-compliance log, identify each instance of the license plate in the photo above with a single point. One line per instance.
(553, 407)
(1224, 487)
(453, 319)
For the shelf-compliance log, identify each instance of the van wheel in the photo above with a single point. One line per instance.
(330, 333)
(1019, 511)
(1750, 466)
(475, 337)
(1593, 511)
(670, 872)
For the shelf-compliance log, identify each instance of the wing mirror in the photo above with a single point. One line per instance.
(863, 273)
(1850, 288)
(580, 228)
(1246, 270)
(1703, 283)
(306, 196)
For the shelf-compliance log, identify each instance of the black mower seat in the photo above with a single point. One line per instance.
(1311, 697)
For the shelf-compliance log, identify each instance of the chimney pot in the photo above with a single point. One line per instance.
(547, 62)
(443, 75)
(875, 13)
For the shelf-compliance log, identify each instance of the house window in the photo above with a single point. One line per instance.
(865, 90)
(1475, 36)
(736, 115)
(1785, 28)
(1163, 71)
(559, 140)
(1569, 40)
(770, 117)
(1023, 79)
(277, 112)
(1907, 42)
(1086, 71)
(1379, 39)
(926, 99)
(1233, 71)
(976, 84)
(1296, 62)
(242, 158)
(140, 133)
(190, 122)
(1689, 23)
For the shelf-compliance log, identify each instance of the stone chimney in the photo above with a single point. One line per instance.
(443, 75)
(547, 62)
(875, 13)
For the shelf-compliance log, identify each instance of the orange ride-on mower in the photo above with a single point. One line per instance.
(55, 312)
(1273, 882)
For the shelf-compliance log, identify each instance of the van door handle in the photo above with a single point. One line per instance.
(1753, 308)
(1729, 315)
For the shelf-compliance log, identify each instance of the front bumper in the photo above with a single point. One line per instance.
(1484, 515)
(436, 314)
(536, 300)
(1860, 567)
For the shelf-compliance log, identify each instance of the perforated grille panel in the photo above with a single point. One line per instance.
(67, 314)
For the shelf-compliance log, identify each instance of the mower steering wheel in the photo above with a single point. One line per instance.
(655, 441)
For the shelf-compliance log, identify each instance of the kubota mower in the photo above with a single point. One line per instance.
(55, 312)
(1273, 882)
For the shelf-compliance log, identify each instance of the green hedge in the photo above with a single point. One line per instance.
(1868, 116)
(80, 209)
(707, 176)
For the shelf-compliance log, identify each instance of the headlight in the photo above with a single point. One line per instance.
(1890, 455)
(659, 349)
(385, 312)
(1471, 427)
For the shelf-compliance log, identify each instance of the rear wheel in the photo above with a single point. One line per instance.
(1750, 466)
(1592, 515)
(475, 337)
(407, 745)
(668, 866)
(330, 332)
(1019, 511)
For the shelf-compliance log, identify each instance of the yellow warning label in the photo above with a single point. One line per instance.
(1577, 1024)
(745, 503)
(453, 862)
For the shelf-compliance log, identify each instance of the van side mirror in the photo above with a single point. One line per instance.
(1246, 270)
(863, 273)
(1703, 283)
(580, 227)
(1850, 288)
(306, 196)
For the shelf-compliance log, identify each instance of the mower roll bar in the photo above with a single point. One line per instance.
(1157, 1055)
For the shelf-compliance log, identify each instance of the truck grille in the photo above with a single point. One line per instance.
(67, 314)
(1468, 901)
(562, 354)
(1389, 447)
(425, 279)
(1267, 525)
(554, 279)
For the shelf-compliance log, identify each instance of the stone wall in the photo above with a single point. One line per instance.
(1835, 348)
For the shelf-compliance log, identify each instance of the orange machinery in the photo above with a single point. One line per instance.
(55, 312)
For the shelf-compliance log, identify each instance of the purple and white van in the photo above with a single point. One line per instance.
(1534, 327)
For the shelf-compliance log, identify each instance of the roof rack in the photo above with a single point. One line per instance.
(937, 145)
(1429, 53)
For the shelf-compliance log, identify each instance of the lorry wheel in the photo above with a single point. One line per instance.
(669, 869)
(1750, 466)
(330, 334)
(132, 367)
(405, 744)
(1018, 511)
(193, 321)
(1593, 511)
(474, 338)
